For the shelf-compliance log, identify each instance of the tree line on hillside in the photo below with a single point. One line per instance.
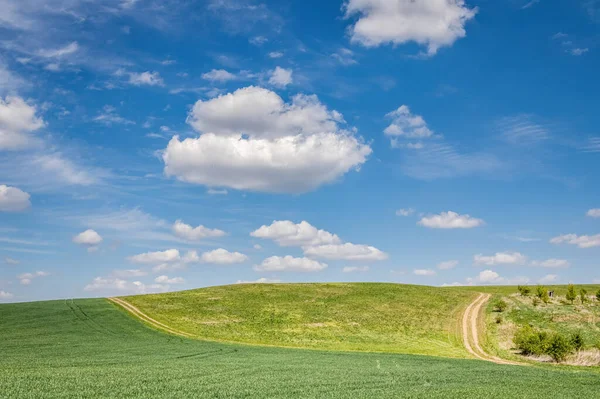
(542, 294)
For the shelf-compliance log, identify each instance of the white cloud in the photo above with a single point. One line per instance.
(145, 78)
(500, 258)
(406, 124)
(127, 273)
(5, 295)
(113, 284)
(594, 213)
(11, 261)
(258, 40)
(195, 233)
(223, 257)
(450, 220)
(548, 279)
(57, 167)
(578, 51)
(447, 265)
(218, 75)
(405, 212)
(346, 251)
(166, 280)
(25, 278)
(108, 116)
(280, 77)
(424, 272)
(352, 269)
(252, 140)
(288, 234)
(262, 280)
(170, 255)
(522, 130)
(344, 56)
(258, 247)
(275, 54)
(489, 277)
(580, 241)
(430, 23)
(13, 199)
(551, 263)
(60, 52)
(17, 120)
(289, 263)
(89, 237)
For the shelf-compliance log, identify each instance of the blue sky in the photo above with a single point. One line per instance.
(146, 148)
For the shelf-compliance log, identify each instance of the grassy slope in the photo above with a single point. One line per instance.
(360, 316)
(91, 349)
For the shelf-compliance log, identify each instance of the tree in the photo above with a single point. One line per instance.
(500, 306)
(571, 295)
(583, 295)
(559, 347)
(577, 341)
(541, 292)
(598, 295)
(524, 290)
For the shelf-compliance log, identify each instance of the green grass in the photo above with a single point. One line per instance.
(92, 349)
(355, 316)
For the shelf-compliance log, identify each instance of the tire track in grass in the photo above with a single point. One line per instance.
(155, 323)
(471, 334)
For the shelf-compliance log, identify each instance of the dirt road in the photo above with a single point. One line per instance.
(470, 331)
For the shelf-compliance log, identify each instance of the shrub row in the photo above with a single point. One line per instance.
(535, 342)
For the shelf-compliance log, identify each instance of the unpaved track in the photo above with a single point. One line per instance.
(141, 315)
(471, 334)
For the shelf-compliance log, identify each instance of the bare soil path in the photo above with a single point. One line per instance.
(470, 331)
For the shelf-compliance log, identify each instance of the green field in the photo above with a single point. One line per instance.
(354, 316)
(92, 349)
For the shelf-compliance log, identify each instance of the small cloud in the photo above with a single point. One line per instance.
(212, 191)
(447, 265)
(405, 212)
(275, 54)
(578, 51)
(258, 40)
(424, 272)
(530, 4)
(88, 238)
(450, 220)
(5, 295)
(281, 77)
(11, 261)
(145, 79)
(551, 263)
(218, 75)
(594, 213)
(353, 269)
(500, 258)
(26, 278)
(261, 280)
(167, 280)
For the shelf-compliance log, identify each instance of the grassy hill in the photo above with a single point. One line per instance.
(93, 349)
(354, 316)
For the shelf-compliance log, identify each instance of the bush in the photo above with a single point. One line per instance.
(571, 295)
(530, 341)
(559, 347)
(577, 341)
(534, 342)
(500, 306)
(498, 319)
(598, 295)
(525, 290)
(535, 301)
(583, 295)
